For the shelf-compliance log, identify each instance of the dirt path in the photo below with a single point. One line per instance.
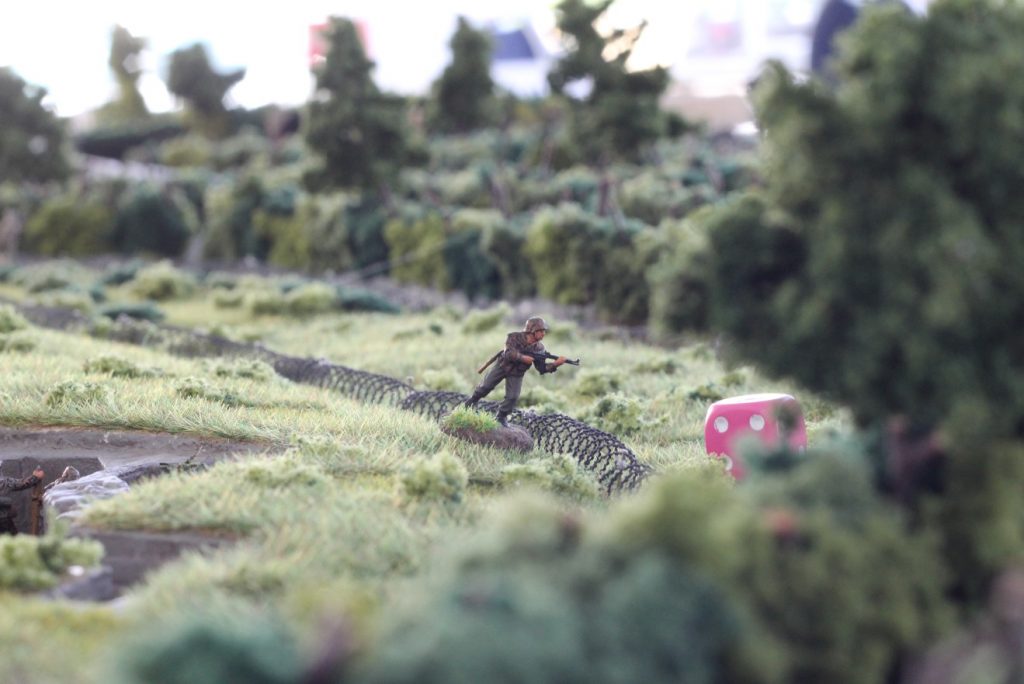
(114, 448)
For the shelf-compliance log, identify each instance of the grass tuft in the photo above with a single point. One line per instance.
(463, 418)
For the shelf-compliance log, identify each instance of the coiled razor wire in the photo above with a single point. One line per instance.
(613, 463)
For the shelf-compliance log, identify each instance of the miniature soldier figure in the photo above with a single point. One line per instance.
(512, 363)
(10, 484)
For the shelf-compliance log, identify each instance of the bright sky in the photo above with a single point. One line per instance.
(63, 45)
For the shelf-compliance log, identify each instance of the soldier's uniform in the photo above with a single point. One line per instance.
(7, 514)
(511, 368)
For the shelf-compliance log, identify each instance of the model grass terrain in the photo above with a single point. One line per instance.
(349, 512)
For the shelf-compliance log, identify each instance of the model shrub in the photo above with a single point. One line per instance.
(73, 393)
(30, 563)
(441, 478)
(11, 319)
(154, 221)
(65, 225)
(877, 265)
(162, 281)
(560, 474)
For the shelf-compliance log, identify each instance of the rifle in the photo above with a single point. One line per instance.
(539, 359)
(491, 360)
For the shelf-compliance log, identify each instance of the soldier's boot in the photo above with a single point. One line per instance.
(502, 418)
(472, 401)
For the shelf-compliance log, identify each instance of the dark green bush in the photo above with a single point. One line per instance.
(504, 244)
(581, 258)
(415, 249)
(651, 197)
(679, 297)
(357, 299)
(229, 212)
(153, 221)
(211, 649)
(146, 311)
(115, 142)
(326, 235)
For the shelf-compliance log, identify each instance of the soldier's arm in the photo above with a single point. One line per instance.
(12, 485)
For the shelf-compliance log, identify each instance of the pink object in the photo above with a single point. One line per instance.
(755, 415)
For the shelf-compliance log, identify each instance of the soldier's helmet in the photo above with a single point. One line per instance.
(534, 324)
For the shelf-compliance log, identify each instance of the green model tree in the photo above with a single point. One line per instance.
(880, 264)
(621, 115)
(124, 62)
(356, 132)
(33, 140)
(191, 78)
(463, 98)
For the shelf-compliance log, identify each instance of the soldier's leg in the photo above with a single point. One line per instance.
(7, 526)
(513, 388)
(490, 381)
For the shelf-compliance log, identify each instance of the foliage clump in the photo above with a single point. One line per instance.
(445, 379)
(360, 299)
(249, 369)
(618, 414)
(230, 299)
(200, 388)
(659, 365)
(17, 343)
(441, 479)
(161, 282)
(485, 320)
(73, 393)
(597, 382)
(560, 474)
(211, 648)
(118, 367)
(310, 299)
(581, 257)
(155, 221)
(543, 400)
(30, 563)
(11, 319)
(289, 474)
(70, 225)
(67, 299)
(463, 418)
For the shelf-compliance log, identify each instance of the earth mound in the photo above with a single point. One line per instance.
(512, 437)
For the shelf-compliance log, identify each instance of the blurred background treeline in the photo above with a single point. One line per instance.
(468, 188)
